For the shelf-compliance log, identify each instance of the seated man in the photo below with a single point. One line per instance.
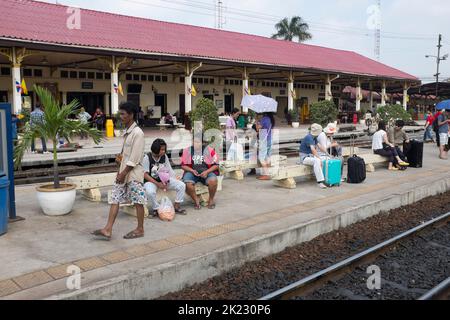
(309, 155)
(152, 163)
(200, 165)
(397, 137)
(329, 149)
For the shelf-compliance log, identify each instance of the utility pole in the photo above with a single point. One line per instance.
(219, 16)
(378, 33)
(438, 62)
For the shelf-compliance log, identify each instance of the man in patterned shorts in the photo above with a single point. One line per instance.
(128, 187)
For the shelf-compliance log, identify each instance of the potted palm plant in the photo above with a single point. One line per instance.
(295, 118)
(57, 198)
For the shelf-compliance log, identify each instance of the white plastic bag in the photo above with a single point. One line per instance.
(166, 211)
(236, 152)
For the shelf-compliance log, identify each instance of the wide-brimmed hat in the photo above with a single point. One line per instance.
(331, 128)
(316, 129)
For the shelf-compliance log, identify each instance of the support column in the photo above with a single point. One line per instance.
(291, 92)
(64, 98)
(371, 96)
(189, 72)
(107, 104)
(16, 83)
(328, 92)
(114, 86)
(358, 95)
(245, 86)
(383, 93)
(405, 96)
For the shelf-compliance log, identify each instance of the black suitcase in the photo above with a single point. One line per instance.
(414, 153)
(356, 167)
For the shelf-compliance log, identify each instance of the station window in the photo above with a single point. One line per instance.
(5, 71)
(165, 79)
(38, 73)
(181, 79)
(227, 82)
(73, 74)
(27, 72)
(143, 77)
(129, 77)
(200, 80)
(64, 74)
(99, 76)
(108, 76)
(211, 81)
(158, 78)
(194, 80)
(82, 74)
(135, 77)
(151, 78)
(91, 75)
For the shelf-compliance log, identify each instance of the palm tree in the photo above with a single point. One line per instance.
(56, 122)
(295, 28)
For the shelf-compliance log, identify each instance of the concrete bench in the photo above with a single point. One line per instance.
(372, 159)
(234, 169)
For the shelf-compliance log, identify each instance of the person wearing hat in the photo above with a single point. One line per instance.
(309, 155)
(327, 147)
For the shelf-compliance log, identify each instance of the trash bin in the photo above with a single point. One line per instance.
(109, 128)
(4, 203)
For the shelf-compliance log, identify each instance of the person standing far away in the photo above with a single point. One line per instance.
(443, 133)
(99, 119)
(84, 118)
(128, 187)
(265, 129)
(37, 117)
(428, 135)
(230, 130)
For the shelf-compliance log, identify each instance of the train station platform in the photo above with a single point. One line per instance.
(252, 219)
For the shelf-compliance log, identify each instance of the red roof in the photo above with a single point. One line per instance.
(44, 22)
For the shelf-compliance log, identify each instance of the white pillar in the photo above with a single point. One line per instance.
(358, 95)
(188, 92)
(64, 98)
(371, 96)
(16, 82)
(328, 92)
(107, 104)
(291, 91)
(114, 89)
(405, 96)
(383, 93)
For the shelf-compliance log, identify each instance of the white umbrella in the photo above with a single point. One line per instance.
(259, 103)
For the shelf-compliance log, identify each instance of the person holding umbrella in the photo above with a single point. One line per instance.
(442, 123)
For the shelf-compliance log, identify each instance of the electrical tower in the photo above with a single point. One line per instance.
(378, 33)
(219, 16)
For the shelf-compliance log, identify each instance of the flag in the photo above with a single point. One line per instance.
(24, 87)
(193, 91)
(294, 94)
(247, 91)
(120, 89)
(407, 98)
(116, 88)
(18, 87)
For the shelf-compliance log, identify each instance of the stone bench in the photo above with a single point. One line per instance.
(234, 169)
(372, 159)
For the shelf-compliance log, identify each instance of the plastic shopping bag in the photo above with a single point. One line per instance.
(235, 153)
(166, 211)
(164, 175)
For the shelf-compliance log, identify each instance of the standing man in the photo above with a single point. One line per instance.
(428, 135)
(84, 118)
(442, 122)
(37, 117)
(129, 182)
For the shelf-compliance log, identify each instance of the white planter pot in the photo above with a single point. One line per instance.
(362, 122)
(56, 202)
(295, 124)
(249, 126)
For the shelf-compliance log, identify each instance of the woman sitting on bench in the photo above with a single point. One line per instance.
(382, 147)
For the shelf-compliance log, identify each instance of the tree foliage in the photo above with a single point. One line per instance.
(323, 112)
(296, 27)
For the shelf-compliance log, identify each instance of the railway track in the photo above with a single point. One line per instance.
(331, 276)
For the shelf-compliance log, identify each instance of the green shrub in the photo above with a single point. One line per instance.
(390, 113)
(323, 112)
(206, 112)
(294, 114)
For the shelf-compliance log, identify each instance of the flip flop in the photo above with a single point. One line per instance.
(133, 235)
(181, 212)
(212, 207)
(264, 178)
(100, 235)
(197, 207)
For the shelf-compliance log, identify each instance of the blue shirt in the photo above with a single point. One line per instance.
(307, 142)
(266, 130)
(36, 117)
(443, 128)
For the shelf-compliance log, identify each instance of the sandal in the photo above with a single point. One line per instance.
(100, 236)
(181, 212)
(197, 207)
(212, 206)
(153, 215)
(133, 235)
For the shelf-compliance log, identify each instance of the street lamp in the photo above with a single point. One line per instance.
(438, 62)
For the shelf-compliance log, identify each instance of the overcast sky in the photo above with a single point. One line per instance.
(410, 28)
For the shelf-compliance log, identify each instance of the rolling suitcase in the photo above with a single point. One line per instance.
(332, 172)
(414, 153)
(356, 167)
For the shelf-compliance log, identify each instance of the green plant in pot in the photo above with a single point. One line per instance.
(206, 112)
(57, 198)
(295, 117)
(118, 125)
(390, 113)
(323, 113)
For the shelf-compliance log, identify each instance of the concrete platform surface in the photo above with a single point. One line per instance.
(252, 219)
